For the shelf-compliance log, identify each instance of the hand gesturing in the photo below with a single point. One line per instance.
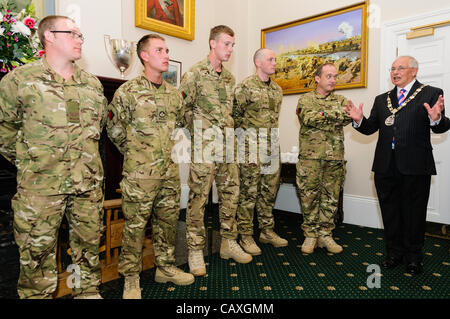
(435, 112)
(353, 112)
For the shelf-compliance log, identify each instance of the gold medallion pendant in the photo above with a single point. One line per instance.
(390, 120)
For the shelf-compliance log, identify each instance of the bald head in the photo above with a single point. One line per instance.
(265, 61)
(411, 61)
(260, 53)
(404, 70)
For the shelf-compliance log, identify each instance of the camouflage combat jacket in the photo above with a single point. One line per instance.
(257, 104)
(322, 120)
(141, 122)
(208, 96)
(50, 127)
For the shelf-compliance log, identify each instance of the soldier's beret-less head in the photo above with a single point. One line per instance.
(259, 54)
(143, 43)
(218, 30)
(48, 23)
(320, 68)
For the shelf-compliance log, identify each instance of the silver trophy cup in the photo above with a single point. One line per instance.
(120, 53)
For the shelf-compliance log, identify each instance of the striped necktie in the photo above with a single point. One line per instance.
(401, 97)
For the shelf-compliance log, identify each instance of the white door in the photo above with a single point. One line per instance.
(432, 53)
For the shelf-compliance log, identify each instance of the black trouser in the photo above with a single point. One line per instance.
(403, 200)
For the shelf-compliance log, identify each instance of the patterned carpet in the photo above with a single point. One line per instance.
(286, 273)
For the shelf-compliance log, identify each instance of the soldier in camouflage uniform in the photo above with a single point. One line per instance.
(257, 105)
(207, 89)
(321, 165)
(144, 113)
(51, 117)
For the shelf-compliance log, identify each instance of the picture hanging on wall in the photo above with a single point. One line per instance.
(338, 36)
(173, 75)
(171, 17)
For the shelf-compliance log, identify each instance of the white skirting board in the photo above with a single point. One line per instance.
(361, 211)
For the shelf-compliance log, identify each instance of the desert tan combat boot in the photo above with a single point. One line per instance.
(131, 289)
(268, 236)
(196, 262)
(229, 248)
(95, 296)
(330, 244)
(173, 274)
(248, 244)
(308, 245)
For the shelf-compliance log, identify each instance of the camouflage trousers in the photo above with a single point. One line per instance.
(37, 220)
(319, 183)
(256, 190)
(200, 180)
(142, 199)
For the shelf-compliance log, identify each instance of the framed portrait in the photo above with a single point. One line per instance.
(173, 75)
(338, 36)
(172, 17)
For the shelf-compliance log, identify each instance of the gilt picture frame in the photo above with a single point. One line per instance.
(338, 36)
(172, 17)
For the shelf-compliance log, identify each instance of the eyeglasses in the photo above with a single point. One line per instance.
(73, 34)
(400, 69)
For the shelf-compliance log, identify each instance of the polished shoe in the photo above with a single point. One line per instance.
(391, 262)
(414, 268)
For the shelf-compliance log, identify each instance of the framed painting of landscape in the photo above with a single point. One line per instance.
(338, 36)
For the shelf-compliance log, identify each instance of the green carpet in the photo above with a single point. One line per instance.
(286, 273)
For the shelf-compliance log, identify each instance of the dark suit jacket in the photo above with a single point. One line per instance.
(413, 150)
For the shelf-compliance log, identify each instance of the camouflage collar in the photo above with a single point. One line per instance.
(213, 72)
(50, 75)
(330, 96)
(147, 83)
(262, 83)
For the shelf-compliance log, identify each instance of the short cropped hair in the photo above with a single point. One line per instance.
(259, 54)
(218, 30)
(48, 23)
(412, 63)
(143, 43)
(320, 68)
